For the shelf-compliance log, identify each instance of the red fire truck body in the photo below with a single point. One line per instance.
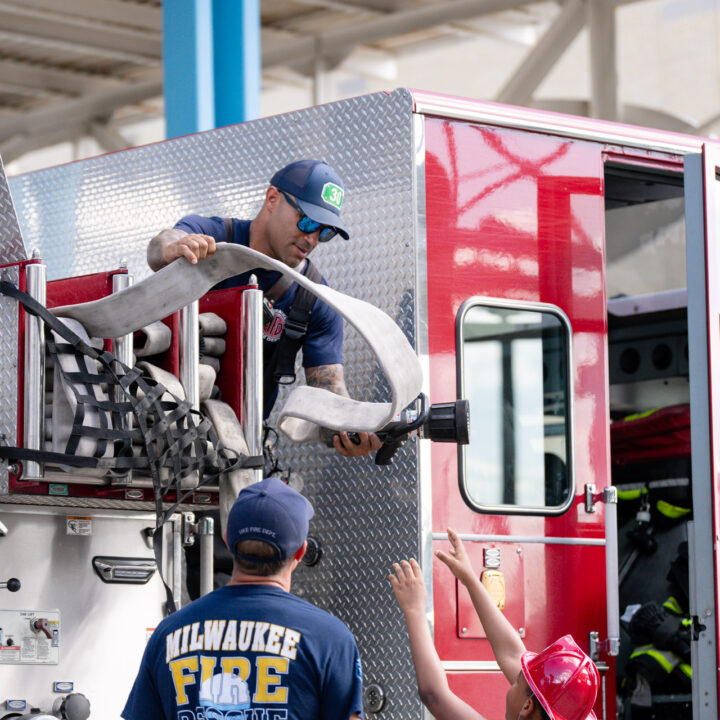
(555, 271)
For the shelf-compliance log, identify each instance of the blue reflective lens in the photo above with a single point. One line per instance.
(309, 226)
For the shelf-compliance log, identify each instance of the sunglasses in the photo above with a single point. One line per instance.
(308, 226)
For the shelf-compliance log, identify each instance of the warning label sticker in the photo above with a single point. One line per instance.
(10, 654)
(78, 525)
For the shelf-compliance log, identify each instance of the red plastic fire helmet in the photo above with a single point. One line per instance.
(563, 679)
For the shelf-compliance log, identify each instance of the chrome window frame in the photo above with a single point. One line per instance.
(479, 300)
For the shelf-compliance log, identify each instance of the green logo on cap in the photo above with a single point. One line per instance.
(332, 195)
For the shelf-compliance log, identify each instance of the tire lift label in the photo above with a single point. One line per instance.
(29, 637)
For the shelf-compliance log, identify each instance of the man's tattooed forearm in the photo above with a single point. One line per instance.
(329, 377)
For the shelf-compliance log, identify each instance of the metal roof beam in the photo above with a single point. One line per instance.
(108, 137)
(107, 11)
(49, 48)
(79, 110)
(339, 41)
(549, 49)
(44, 78)
(631, 114)
(19, 145)
(100, 36)
(382, 6)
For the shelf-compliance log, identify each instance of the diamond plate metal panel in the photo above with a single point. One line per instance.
(88, 215)
(8, 368)
(12, 248)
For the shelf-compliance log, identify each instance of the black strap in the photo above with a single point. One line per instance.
(282, 367)
(228, 225)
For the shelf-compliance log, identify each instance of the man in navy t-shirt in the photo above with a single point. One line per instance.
(252, 650)
(301, 208)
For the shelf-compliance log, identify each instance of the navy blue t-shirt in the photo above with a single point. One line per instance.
(322, 345)
(248, 652)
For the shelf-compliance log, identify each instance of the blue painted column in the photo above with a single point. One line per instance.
(188, 84)
(211, 63)
(238, 64)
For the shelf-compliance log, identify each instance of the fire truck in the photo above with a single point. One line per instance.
(557, 272)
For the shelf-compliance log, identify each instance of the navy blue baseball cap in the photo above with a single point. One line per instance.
(270, 511)
(318, 190)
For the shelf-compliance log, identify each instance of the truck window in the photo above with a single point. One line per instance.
(513, 368)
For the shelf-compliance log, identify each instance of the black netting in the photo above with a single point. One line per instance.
(172, 434)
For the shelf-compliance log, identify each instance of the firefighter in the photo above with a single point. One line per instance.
(560, 683)
(301, 208)
(252, 648)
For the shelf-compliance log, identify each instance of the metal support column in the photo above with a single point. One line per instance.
(320, 75)
(34, 408)
(211, 63)
(252, 325)
(519, 88)
(188, 84)
(603, 59)
(190, 368)
(123, 351)
(206, 531)
(237, 64)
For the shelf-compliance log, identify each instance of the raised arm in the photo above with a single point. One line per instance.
(170, 244)
(332, 378)
(433, 688)
(504, 639)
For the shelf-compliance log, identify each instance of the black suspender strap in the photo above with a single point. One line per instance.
(296, 327)
(228, 225)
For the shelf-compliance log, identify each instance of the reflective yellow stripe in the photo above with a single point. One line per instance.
(629, 494)
(637, 416)
(671, 511)
(686, 669)
(658, 656)
(673, 605)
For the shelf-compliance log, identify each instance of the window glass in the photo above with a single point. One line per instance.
(514, 372)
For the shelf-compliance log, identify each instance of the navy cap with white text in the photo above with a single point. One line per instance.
(270, 511)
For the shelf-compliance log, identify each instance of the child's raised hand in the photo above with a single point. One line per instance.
(408, 586)
(457, 559)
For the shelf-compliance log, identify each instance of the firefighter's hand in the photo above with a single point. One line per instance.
(457, 559)
(191, 246)
(408, 586)
(173, 243)
(359, 445)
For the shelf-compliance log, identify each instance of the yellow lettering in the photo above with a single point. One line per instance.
(259, 641)
(207, 665)
(265, 690)
(230, 642)
(196, 641)
(245, 635)
(180, 679)
(273, 639)
(289, 649)
(241, 664)
(172, 642)
(213, 634)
